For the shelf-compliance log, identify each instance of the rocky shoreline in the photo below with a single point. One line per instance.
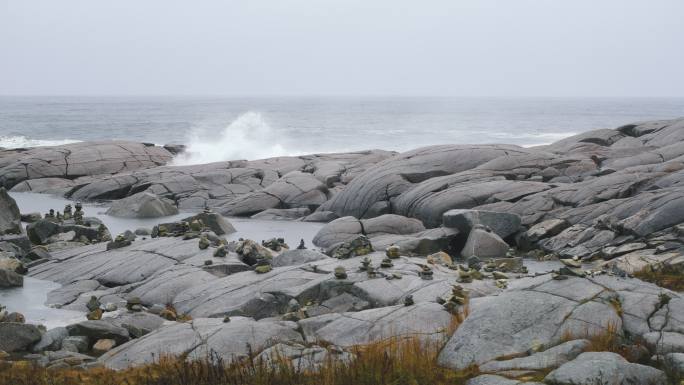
(411, 240)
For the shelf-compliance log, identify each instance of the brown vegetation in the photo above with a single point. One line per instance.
(665, 276)
(408, 360)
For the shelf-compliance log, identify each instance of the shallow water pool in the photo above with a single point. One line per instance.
(30, 301)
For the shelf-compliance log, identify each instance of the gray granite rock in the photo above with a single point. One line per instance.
(10, 218)
(15, 337)
(484, 244)
(9, 278)
(298, 257)
(79, 159)
(51, 340)
(388, 179)
(502, 224)
(538, 312)
(427, 320)
(548, 359)
(142, 205)
(604, 368)
(195, 339)
(282, 214)
(97, 330)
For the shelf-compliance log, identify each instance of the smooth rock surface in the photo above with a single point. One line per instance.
(142, 205)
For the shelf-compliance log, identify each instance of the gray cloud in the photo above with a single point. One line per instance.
(343, 47)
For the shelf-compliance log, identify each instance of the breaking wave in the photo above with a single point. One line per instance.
(247, 137)
(20, 141)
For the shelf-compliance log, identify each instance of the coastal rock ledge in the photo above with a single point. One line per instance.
(556, 264)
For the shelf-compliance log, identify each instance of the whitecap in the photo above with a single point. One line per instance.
(249, 136)
(20, 141)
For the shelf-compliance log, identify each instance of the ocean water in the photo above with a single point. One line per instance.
(250, 128)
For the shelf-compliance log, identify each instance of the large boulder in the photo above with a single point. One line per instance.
(54, 186)
(51, 340)
(45, 231)
(142, 205)
(338, 231)
(137, 323)
(502, 224)
(97, 330)
(604, 368)
(202, 337)
(542, 361)
(10, 218)
(427, 320)
(348, 228)
(16, 337)
(483, 243)
(297, 257)
(293, 190)
(214, 222)
(371, 193)
(282, 214)
(75, 160)
(9, 278)
(541, 312)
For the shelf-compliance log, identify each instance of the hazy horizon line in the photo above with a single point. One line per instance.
(331, 96)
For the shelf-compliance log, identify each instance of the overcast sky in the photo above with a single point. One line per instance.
(343, 47)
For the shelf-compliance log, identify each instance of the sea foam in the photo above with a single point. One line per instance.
(249, 136)
(20, 141)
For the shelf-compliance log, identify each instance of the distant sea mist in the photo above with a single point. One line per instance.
(216, 129)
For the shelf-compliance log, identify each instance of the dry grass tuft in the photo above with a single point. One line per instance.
(407, 360)
(665, 276)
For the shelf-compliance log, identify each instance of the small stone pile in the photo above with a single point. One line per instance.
(356, 247)
(459, 297)
(276, 244)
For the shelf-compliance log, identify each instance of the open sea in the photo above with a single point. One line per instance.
(250, 128)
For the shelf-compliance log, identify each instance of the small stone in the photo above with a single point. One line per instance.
(386, 263)
(226, 319)
(134, 304)
(499, 275)
(203, 242)
(263, 269)
(571, 263)
(426, 272)
(93, 304)
(103, 346)
(119, 242)
(392, 252)
(111, 307)
(571, 272)
(340, 272)
(440, 258)
(365, 263)
(301, 245)
(358, 246)
(220, 252)
(408, 300)
(208, 262)
(95, 315)
(15, 317)
(464, 276)
(474, 262)
(275, 244)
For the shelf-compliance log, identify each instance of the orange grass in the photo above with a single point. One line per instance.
(407, 360)
(665, 276)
